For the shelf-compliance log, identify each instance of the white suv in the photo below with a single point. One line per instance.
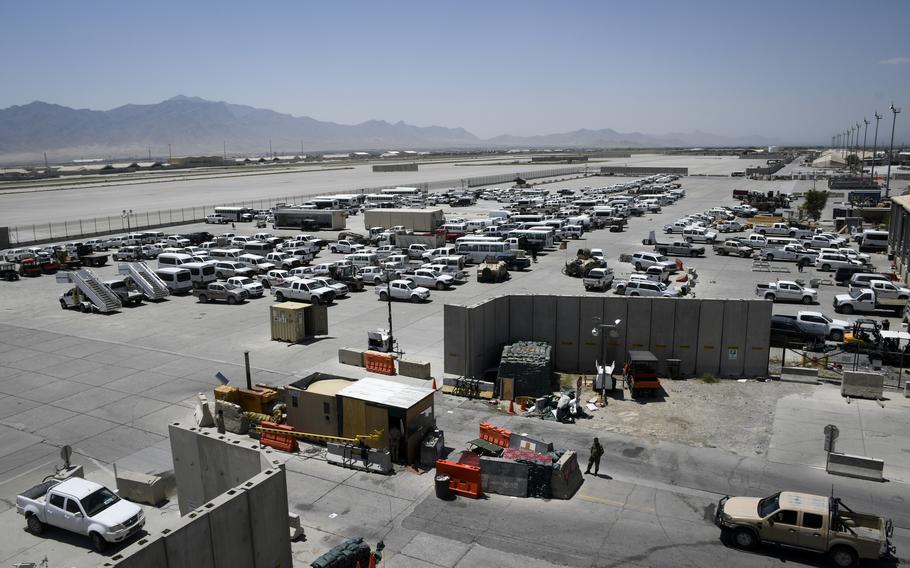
(643, 260)
(645, 288)
(827, 261)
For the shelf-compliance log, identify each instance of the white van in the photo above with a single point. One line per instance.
(258, 247)
(169, 259)
(873, 241)
(363, 259)
(201, 273)
(226, 254)
(456, 261)
(178, 280)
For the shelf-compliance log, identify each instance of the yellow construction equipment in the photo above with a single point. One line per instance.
(375, 437)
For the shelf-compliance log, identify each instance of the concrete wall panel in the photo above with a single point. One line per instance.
(188, 544)
(709, 341)
(663, 325)
(758, 339)
(685, 340)
(502, 321)
(477, 348)
(268, 500)
(454, 339)
(568, 312)
(617, 309)
(229, 518)
(521, 318)
(224, 465)
(544, 319)
(638, 330)
(185, 454)
(147, 552)
(589, 346)
(733, 348)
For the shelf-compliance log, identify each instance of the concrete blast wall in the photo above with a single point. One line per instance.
(727, 338)
(245, 526)
(642, 171)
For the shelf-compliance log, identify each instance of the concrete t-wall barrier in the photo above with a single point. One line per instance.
(727, 338)
(245, 526)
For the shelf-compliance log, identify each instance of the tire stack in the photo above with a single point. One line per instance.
(530, 365)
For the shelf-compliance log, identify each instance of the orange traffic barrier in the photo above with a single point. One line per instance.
(463, 479)
(434, 383)
(283, 442)
(379, 363)
(494, 435)
(372, 560)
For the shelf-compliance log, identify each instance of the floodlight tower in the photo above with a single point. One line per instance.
(874, 142)
(894, 111)
(862, 159)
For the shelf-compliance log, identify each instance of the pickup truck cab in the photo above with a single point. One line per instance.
(227, 269)
(699, 235)
(810, 522)
(82, 507)
(345, 247)
(786, 291)
(676, 227)
(256, 263)
(219, 291)
(680, 248)
(644, 260)
(822, 240)
(253, 288)
(304, 290)
(886, 292)
(274, 278)
(416, 251)
(341, 289)
(732, 247)
(795, 253)
(458, 275)
(817, 323)
(598, 279)
(729, 227)
(430, 279)
(402, 290)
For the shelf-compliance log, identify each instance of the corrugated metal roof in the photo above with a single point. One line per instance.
(387, 393)
(903, 201)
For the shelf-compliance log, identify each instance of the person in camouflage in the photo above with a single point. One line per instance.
(597, 451)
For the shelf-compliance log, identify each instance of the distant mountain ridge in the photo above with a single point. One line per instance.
(192, 125)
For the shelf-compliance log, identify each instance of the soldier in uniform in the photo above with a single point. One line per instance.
(597, 451)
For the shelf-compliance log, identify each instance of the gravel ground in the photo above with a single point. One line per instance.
(727, 414)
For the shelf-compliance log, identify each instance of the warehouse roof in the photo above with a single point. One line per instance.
(387, 393)
(903, 201)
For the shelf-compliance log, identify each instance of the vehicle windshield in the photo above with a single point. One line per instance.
(768, 505)
(329, 281)
(98, 501)
(662, 258)
(245, 281)
(826, 318)
(411, 285)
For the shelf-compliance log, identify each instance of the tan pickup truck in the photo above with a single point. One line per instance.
(810, 522)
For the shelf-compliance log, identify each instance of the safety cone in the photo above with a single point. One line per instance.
(511, 407)
(524, 404)
(434, 383)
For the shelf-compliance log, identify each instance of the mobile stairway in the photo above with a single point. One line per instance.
(102, 298)
(145, 278)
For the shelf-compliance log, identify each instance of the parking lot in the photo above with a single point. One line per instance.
(109, 384)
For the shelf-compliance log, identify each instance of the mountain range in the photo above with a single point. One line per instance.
(192, 126)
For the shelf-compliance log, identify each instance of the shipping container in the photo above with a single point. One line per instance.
(421, 220)
(295, 322)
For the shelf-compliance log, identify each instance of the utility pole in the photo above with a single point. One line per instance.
(150, 153)
(874, 142)
(894, 111)
(862, 159)
(224, 150)
(270, 148)
(169, 153)
(47, 167)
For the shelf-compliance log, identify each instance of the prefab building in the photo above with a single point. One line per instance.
(330, 405)
(309, 219)
(422, 220)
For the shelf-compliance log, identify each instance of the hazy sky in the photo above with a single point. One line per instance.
(790, 70)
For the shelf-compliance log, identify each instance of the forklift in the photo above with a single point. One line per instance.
(640, 374)
(865, 335)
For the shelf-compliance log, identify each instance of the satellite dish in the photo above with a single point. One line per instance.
(221, 378)
(65, 453)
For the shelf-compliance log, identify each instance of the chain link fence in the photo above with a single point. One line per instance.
(128, 221)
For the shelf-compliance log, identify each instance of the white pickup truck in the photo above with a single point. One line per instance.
(786, 291)
(819, 324)
(306, 290)
(80, 506)
(402, 290)
(430, 279)
(773, 229)
(790, 252)
(877, 295)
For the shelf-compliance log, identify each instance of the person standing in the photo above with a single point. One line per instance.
(394, 443)
(597, 451)
(800, 264)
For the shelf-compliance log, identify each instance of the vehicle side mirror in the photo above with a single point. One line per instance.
(78, 514)
(771, 522)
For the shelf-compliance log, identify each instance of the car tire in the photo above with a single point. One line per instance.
(315, 300)
(334, 250)
(383, 296)
(769, 257)
(34, 524)
(744, 255)
(770, 297)
(843, 557)
(266, 284)
(203, 298)
(826, 268)
(279, 297)
(638, 266)
(744, 538)
(98, 542)
(62, 304)
(231, 300)
(807, 300)
(219, 275)
(440, 286)
(634, 294)
(846, 309)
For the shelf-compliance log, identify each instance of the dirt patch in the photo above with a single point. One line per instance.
(735, 416)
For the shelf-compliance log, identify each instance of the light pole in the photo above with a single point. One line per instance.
(862, 159)
(894, 111)
(126, 214)
(874, 142)
(598, 331)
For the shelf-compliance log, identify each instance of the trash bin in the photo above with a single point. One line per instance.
(442, 487)
(673, 366)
